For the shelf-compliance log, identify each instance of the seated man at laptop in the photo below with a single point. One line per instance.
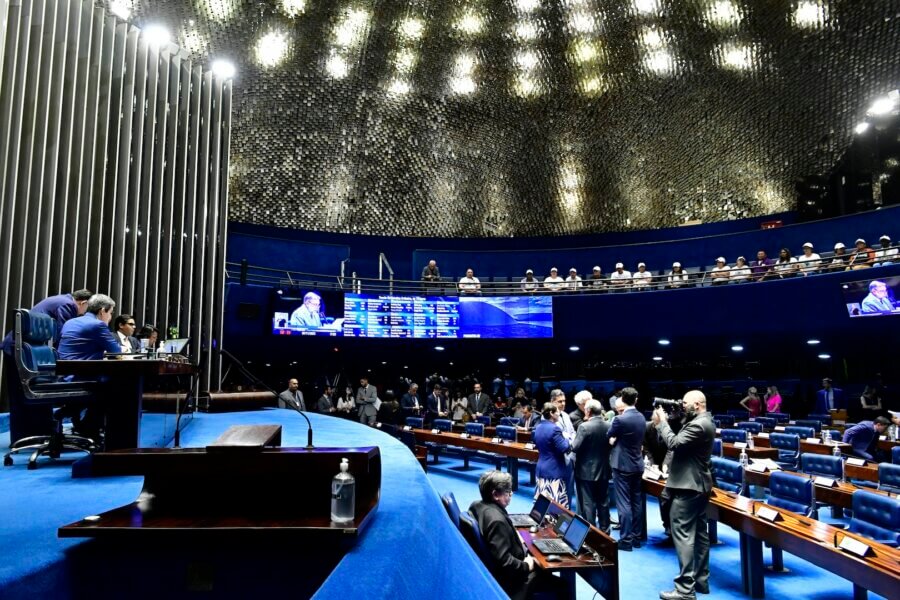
(517, 573)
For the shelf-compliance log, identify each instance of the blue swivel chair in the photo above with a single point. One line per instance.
(794, 493)
(513, 421)
(415, 422)
(835, 434)
(444, 426)
(504, 432)
(895, 455)
(449, 502)
(483, 419)
(825, 419)
(730, 436)
(474, 430)
(820, 465)
(788, 448)
(724, 420)
(877, 517)
(803, 432)
(889, 478)
(36, 385)
(469, 528)
(752, 426)
(766, 422)
(780, 417)
(815, 424)
(729, 474)
(738, 413)
(717, 447)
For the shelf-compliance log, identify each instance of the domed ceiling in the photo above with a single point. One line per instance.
(533, 117)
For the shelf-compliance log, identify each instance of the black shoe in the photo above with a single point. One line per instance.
(676, 595)
(636, 543)
(625, 547)
(701, 589)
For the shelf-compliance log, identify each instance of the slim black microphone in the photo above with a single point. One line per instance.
(254, 379)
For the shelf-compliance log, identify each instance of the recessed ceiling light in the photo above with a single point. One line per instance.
(664, 342)
(657, 358)
(737, 348)
(120, 9)
(882, 106)
(574, 348)
(271, 49)
(157, 35)
(223, 68)
(501, 360)
(813, 342)
(824, 356)
(439, 348)
(861, 128)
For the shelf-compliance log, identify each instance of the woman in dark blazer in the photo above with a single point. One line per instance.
(551, 465)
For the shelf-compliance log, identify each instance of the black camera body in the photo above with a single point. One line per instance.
(670, 406)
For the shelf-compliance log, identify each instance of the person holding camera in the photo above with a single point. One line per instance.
(689, 484)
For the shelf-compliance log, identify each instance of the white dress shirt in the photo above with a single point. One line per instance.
(554, 283)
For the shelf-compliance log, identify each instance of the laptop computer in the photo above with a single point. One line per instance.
(571, 542)
(538, 510)
(174, 346)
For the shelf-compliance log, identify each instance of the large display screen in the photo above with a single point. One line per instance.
(438, 317)
(308, 312)
(872, 297)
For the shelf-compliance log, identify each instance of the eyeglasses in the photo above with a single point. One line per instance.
(130, 323)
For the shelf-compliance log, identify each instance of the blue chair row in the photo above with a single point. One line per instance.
(780, 417)
(815, 424)
(825, 419)
(754, 427)
(788, 445)
(895, 455)
(766, 422)
(729, 474)
(889, 478)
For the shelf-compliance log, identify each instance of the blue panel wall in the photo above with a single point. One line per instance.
(274, 250)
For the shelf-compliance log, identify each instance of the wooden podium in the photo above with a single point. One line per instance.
(241, 485)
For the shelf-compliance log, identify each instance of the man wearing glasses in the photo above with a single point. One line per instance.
(124, 325)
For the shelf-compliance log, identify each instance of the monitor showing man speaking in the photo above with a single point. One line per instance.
(306, 313)
(872, 297)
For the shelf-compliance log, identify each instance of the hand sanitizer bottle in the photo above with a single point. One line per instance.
(343, 495)
(744, 459)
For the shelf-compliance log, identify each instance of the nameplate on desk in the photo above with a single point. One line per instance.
(836, 422)
(464, 436)
(437, 431)
(768, 514)
(825, 481)
(779, 428)
(652, 473)
(762, 435)
(495, 440)
(529, 446)
(792, 422)
(718, 431)
(856, 462)
(883, 438)
(758, 467)
(813, 441)
(407, 428)
(854, 546)
(740, 444)
(378, 425)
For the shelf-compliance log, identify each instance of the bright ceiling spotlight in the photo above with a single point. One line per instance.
(157, 35)
(271, 49)
(737, 348)
(223, 68)
(861, 128)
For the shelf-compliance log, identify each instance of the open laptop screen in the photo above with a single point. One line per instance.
(174, 346)
(540, 508)
(575, 534)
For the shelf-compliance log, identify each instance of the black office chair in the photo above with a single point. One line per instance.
(38, 385)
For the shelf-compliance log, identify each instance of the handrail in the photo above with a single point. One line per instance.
(382, 260)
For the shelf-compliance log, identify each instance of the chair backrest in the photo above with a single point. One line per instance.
(817, 425)
(443, 424)
(750, 426)
(785, 441)
(731, 436)
(738, 413)
(469, 528)
(729, 474)
(483, 419)
(835, 434)
(791, 492)
(895, 455)
(506, 432)
(514, 421)
(876, 516)
(889, 478)
(717, 447)
(822, 418)
(408, 438)
(766, 422)
(724, 420)
(780, 417)
(824, 465)
(417, 422)
(34, 357)
(476, 429)
(449, 502)
(803, 432)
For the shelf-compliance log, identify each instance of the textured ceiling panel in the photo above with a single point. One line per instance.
(534, 117)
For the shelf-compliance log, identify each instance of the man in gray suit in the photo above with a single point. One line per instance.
(690, 484)
(366, 398)
(291, 396)
(592, 465)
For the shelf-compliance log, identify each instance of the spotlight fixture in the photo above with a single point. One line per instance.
(737, 348)
(157, 35)
(120, 9)
(813, 342)
(574, 348)
(664, 342)
(657, 358)
(439, 348)
(861, 128)
(883, 105)
(824, 356)
(271, 49)
(501, 360)
(223, 68)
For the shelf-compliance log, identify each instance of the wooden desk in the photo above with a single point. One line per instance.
(513, 451)
(732, 451)
(806, 538)
(841, 495)
(867, 472)
(888, 445)
(602, 576)
(491, 431)
(807, 447)
(125, 383)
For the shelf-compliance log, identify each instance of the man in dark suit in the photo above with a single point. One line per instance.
(591, 449)
(124, 327)
(60, 308)
(366, 400)
(409, 403)
(291, 396)
(829, 398)
(438, 404)
(479, 402)
(530, 418)
(514, 570)
(325, 403)
(626, 436)
(689, 484)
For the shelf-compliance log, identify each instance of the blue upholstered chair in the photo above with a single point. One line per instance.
(877, 517)
(415, 422)
(889, 478)
(469, 528)
(824, 419)
(724, 420)
(792, 492)
(895, 455)
(717, 447)
(816, 425)
(729, 474)
(780, 417)
(506, 432)
(475, 429)
(788, 448)
(443, 425)
(730, 436)
(513, 421)
(449, 502)
(835, 434)
(483, 419)
(37, 386)
(822, 465)
(803, 432)
(738, 413)
(751, 426)
(766, 422)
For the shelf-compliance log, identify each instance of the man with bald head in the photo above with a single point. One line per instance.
(689, 484)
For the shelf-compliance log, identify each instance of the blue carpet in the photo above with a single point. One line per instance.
(646, 571)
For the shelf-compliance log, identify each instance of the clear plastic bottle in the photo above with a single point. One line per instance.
(744, 460)
(826, 437)
(343, 495)
(836, 451)
(749, 439)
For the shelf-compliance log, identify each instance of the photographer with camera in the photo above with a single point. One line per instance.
(660, 454)
(689, 484)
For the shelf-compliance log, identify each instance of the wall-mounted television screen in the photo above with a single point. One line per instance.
(308, 312)
(872, 297)
(438, 317)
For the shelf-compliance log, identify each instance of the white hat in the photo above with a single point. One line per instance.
(553, 269)
(529, 272)
(620, 266)
(894, 413)
(839, 245)
(721, 259)
(573, 270)
(860, 240)
(742, 258)
(676, 264)
(808, 245)
(597, 268)
(641, 265)
(885, 237)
